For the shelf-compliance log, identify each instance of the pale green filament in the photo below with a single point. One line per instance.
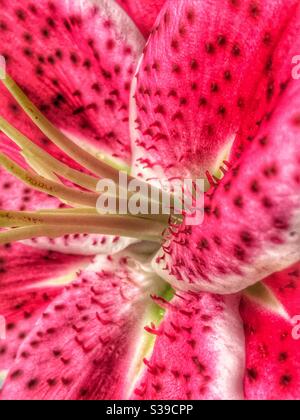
(39, 166)
(49, 187)
(59, 168)
(57, 137)
(85, 217)
(84, 222)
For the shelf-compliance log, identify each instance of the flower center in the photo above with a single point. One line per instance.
(45, 173)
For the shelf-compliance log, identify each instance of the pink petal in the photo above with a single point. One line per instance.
(76, 61)
(273, 361)
(199, 351)
(16, 196)
(86, 338)
(252, 221)
(22, 310)
(143, 12)
(285, 285)
(22, 300)
(210, 72)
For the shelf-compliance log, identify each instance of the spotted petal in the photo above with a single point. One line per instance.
(86, 340)
(252, 221)
(272, 340)
(23, 271)
(199, 351)
(76, 61)
(208, 76)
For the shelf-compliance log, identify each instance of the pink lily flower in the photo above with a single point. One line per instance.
(86, 298)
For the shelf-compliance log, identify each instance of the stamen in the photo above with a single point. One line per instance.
(162, 219)
(42, 184)
(87, 160)
(56, 223)
(84, 218)
(42, 169)
(53, 225)
(68, 195)
(39, 166)
(80, 155)
(55, 165)
(85, 210)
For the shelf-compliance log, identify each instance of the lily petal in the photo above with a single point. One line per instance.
(252, 221)
(285, 285)
(23, 298)
(87, 338)
(199, 351)
(143, 12)
(272, 341)
(56, 51)
(209, 74)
